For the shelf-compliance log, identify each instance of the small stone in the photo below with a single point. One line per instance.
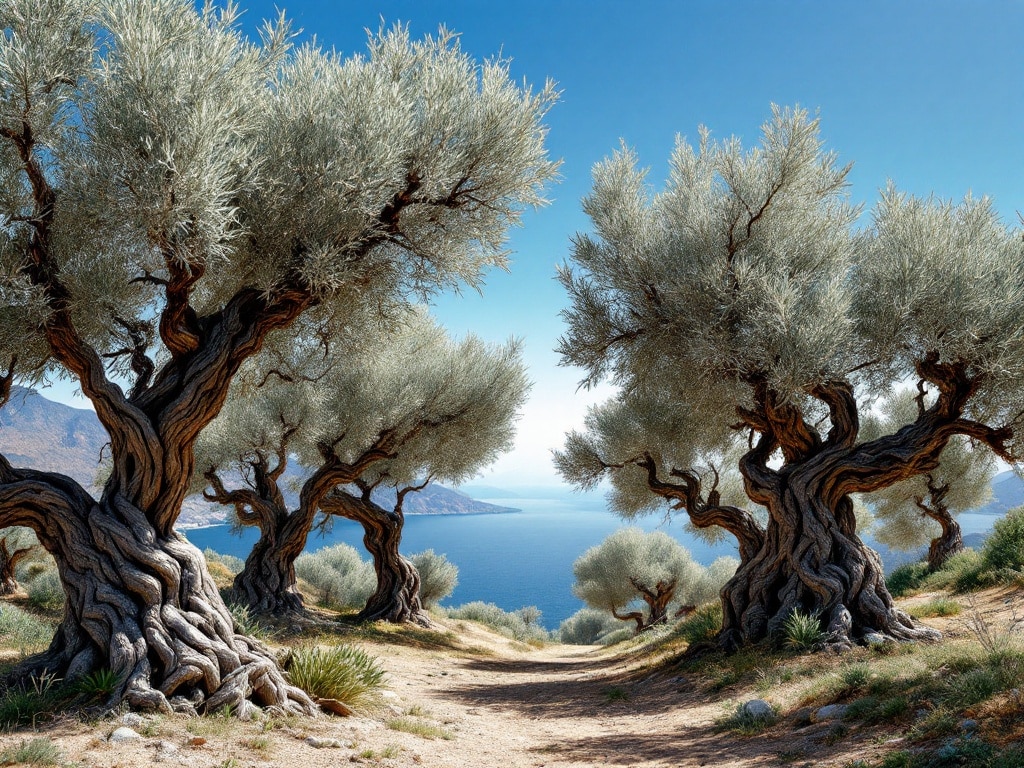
(132, 720)
(167, 746)
(313, 741)
(390, 695)
(758, 709)
(968, 725)
(123, 734)
(873, 638)
(829, 712)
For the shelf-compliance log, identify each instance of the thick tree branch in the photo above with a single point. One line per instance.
(687, 495)
(251, 508)
(842, 409)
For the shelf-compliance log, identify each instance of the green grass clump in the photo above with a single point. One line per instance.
(509, 623)
(99, 684)
(907, 578)
(701, 625)
(341, 672)
(36, 698)
(248, 624)
(743, 723)
(22, 630)
(803, 631)
(45, 590)
(940, 606)
(419, 728)
(38, 751)
(964, 572)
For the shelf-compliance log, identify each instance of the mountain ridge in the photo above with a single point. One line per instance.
(42, 434)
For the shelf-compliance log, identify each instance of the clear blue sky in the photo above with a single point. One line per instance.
(928, 94)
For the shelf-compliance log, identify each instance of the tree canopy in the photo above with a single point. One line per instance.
(396, 409)
(750, 293)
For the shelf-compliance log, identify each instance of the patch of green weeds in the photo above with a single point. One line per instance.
(38, 751)
(803, 631)
(419, 728)
(940, 606)
(743, 723)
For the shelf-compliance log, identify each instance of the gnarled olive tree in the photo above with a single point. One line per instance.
(171, 193)
(636, 576)
(748, 278)
(390, 411)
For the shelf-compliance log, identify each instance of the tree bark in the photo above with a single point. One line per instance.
(140, 603)
(951, 541)
(397, 596)
(657, 600)
(267, 584)
(812, 559)
(8, 562)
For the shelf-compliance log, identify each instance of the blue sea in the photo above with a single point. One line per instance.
(518, 558)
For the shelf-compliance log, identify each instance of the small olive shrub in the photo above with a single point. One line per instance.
(337, 577)
(438, 577)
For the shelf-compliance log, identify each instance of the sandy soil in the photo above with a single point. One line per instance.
(497, 703)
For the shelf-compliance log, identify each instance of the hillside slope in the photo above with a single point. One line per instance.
(40, 433)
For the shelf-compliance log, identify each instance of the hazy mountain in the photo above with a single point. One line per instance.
(1007, 494)
(39, 433)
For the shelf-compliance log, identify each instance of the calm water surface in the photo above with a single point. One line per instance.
(519, 558)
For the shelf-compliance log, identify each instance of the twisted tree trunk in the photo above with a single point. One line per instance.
(397, 596)
(266, 585)
(812, 559)
(140, 603)
(951, 541)
(8, 562)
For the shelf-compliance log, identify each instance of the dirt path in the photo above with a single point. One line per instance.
(493, 703)
(574, 707)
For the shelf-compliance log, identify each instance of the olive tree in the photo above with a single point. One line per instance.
(631, 569)
(410, 405)
(171, 193)
(748, 291)
(922, 509)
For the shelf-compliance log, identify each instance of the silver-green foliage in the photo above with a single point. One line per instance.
(337, 576)
(428, 405)
(965, 471)
(609, 576)
(170, 137)
(509, 623)
(438, 576)
(588, 626)
(751, 267)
